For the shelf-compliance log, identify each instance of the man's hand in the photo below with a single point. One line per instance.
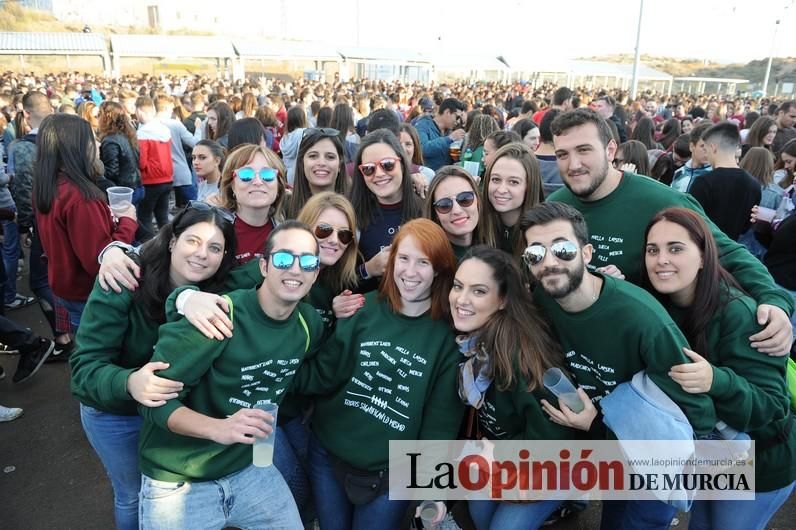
(243, 427)
(776, 338)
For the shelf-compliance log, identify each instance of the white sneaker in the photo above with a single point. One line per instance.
(9, 413)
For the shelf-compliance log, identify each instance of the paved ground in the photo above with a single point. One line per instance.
(50, 477)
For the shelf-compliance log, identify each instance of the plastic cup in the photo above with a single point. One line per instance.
(765, 214)
(428, 512)
(120, 198)
(455, 150)
(559, 384)
(263, 448)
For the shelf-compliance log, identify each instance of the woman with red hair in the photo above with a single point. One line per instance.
(410, 376)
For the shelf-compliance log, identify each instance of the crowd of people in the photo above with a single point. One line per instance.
(390, 261)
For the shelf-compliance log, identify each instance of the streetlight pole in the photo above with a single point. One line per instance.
(636, 60)
(770, 59)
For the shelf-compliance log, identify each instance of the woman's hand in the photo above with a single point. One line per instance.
(753, 214)
(378, 263)
(149, 389)
(116, 268)
(419, 184)
(777, 336)
(346, 304)
(208, 313)
(566, 417)
(695, 377)
(611, 270)
(129, 212)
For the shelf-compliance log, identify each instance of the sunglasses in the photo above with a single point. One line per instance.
(204, 207)
(344, 235)
(320, 131)
(386, 164)
(563, 250)
(247, 174)
(284, 260)
(464, 199)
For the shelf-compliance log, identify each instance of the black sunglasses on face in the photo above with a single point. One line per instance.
(563, 250)
(464, 199)
(323, 230)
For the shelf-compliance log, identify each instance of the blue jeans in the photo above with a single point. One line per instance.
(10, 257)
(637, 515)
(254, 498)
(74, 310)
(291, 459)
(40, 282)
(336, 512)
(183, 194)
(488, 515)
(739, 515)
(115, 440)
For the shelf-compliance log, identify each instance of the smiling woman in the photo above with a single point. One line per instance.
(319, 168)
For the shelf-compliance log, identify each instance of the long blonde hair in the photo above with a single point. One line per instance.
(239, 158)
(342, 275)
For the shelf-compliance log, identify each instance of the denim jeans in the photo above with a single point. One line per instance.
(10, 257)
(71, 311)
(254, 498)
(40, 282)
(637, 515)
(739, 515)
(291, 459)
(115, 440)
(183, 194)
(495, 515)
(155, 201)
(336, 512)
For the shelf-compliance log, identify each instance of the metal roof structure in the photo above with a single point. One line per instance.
(285, 50)
(25, 43)
(171, 46)
(384, 55)
(713, 80)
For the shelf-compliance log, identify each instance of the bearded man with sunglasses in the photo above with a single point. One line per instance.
(195, 450)
(609, 330)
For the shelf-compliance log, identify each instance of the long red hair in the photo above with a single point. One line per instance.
(431, 239)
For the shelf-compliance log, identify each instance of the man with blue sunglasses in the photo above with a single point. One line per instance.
(203, 437)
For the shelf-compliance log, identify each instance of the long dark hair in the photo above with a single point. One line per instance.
(343, 119)
(155, 261)
(713, 281)
(516, 337)
(224, 121)
(65, 147)
(301, 187)
(644, 132)
(365, 203)
(670, 131)
(245, 131)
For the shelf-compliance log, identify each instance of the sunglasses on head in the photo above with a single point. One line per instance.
(320, 131)
(563, 250)
(247, 174)
(282, 259)
(386, 164)
(464, 199)
(323, 230)
(204, 207)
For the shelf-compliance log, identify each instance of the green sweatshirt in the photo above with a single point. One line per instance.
(616, 227)
(257, 364)
(749, 389)
(115, 338)
(403, 386)
(626, 330)
(459, 251)
(517, 414)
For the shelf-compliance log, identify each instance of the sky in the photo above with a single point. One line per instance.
(716, 30)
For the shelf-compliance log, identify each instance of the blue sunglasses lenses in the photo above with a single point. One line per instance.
(267, 174)
(284, 260)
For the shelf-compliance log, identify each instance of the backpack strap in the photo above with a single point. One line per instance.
(231, 307)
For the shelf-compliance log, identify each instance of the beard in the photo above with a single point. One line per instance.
(598, 177)
(571, 281)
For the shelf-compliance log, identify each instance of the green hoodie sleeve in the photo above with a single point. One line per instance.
(664, 350)
(443, 410)
(748, 388)
(330, 363)
(244, 276)
(190, 355)
(538, 425)
(97, 377)
(745, 268)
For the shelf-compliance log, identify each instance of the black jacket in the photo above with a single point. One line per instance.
(121, 161)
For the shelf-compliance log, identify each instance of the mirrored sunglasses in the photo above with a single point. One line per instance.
(563, 250)
(386, 164)
(247, 174)
(323, 230)
(284, 260)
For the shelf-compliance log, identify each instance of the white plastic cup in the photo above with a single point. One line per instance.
(120, 198)
(765, 214)
(428, 512)
(263, 448)
(559, 384)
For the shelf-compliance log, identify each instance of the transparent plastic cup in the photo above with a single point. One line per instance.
(120, 198)
(428, 512)
(263, 448)
(559, 384)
